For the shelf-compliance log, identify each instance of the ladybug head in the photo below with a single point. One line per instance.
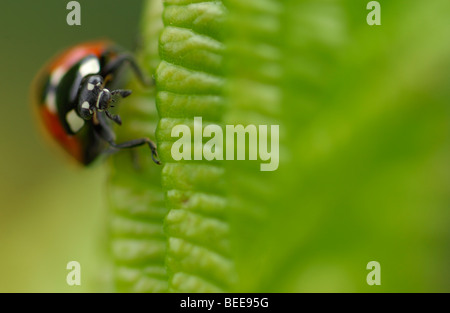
(93, 97)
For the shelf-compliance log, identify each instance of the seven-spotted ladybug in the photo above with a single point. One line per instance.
(73, 101)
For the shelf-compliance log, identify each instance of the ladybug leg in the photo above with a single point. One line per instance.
(136, 143)
(104, 131)
(114, 65)
(106, 80)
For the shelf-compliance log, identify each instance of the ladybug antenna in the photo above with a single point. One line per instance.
(114, 118)
(121, 92)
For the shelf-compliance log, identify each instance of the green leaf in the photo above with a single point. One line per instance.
(190, 84)
(363, 155)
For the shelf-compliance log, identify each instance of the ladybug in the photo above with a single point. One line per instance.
(74, 93)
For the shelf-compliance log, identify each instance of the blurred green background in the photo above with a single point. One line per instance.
(369, 137)
(51, 211)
